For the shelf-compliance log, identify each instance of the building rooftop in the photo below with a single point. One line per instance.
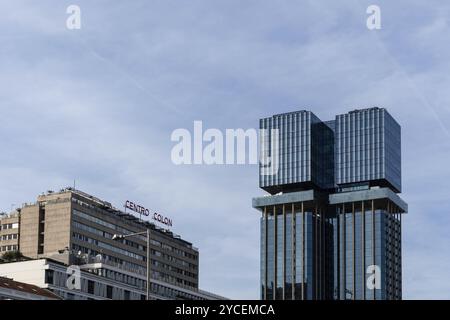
(12, 214)
(26, 288)
(365, 109)
(107, 207)
(290, 112)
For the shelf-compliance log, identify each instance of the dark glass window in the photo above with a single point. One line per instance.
(49, 276)
(91, 286)
(109, 292)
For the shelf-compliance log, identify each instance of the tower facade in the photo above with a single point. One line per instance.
(331, 226)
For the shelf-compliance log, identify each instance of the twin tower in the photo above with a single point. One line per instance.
(331, 224)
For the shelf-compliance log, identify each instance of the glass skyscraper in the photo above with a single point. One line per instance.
(331, 224)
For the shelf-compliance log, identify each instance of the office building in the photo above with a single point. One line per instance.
(74, 228)
(9, 232)
(332, 219)
(78, 221)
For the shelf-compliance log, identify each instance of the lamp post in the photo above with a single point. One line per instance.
(123, 236)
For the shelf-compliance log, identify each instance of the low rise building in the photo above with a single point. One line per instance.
(95, 280)
(13, 290)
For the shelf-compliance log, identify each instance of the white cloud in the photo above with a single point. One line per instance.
(99, 106)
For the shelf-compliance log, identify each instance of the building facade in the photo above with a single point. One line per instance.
(78, 221)
(9, 232)
(98, 280)
(75, 228)
(331, 226)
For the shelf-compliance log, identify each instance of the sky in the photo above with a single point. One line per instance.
(98, 105)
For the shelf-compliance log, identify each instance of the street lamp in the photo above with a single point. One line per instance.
(123, 236)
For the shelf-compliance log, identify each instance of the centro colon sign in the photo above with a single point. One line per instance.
(146, 212)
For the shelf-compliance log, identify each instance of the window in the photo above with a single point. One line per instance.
(91, 286)
(109, 292)
(9, 236)
(126, 295)
(49, 276)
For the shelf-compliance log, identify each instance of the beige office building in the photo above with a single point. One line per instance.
(9, 232)
(73, 221)
(72, 228)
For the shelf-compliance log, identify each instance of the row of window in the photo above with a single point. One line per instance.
(107, 246)
(10, 236)
(174, 249)
(8, 248)
(99, 289)
(173, 269)
(142, 284)
(124, 231)
(8, 226)
(171, 258)
(106, 224)
(107, 235)
(142, 270)
(136, 246)
(133, 267)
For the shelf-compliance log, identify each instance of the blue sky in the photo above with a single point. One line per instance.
(99, 104)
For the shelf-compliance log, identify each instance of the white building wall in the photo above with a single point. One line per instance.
(31, 272)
